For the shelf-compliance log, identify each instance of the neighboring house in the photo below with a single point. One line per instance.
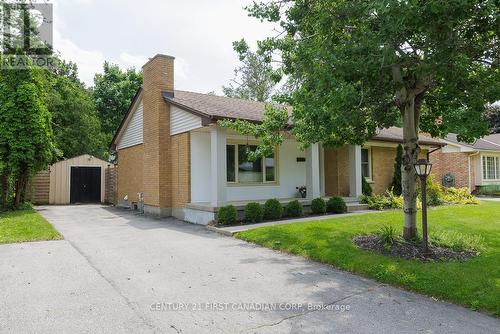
(170, 150)
(468, 165)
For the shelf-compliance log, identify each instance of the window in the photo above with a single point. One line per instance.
(491, 168)
(366, 160)
(240, 169)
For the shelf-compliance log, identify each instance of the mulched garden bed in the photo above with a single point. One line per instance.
(411, 250)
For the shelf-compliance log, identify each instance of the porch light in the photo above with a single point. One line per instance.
(423, 168)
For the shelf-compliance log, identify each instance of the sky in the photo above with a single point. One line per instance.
(198, 33)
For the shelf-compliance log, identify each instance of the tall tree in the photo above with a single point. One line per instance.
(359, 65)
(77, 129)
(112, 93)
(253, 78)
(492, 114)
(26, 139)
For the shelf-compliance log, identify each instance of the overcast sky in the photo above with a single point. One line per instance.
(198, 33)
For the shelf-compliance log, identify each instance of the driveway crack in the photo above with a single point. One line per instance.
(310, 311)
(129, 303)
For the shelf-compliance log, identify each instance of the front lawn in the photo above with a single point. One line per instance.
(474, 283)
(25, 225)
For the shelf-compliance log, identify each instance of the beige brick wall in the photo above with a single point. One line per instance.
(181, 170)
(130, 172)
(337, 169)
(456, 163)
(158, 77)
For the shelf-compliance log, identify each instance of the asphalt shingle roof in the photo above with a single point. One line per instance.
(489, 143)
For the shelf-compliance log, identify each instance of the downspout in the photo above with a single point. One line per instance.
(470, 174)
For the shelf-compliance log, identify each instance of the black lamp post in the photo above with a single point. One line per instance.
(423, 169)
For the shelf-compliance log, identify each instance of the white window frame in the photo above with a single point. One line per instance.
(485, 170)
(370, 170)
(236, 181)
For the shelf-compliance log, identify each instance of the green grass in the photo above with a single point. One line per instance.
(474, 283)
(25, 225)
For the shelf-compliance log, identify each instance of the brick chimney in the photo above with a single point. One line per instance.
(158, 77)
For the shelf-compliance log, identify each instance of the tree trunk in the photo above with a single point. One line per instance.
(20, 188)
(410, 156)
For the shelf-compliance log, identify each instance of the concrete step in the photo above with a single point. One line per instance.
(356, 206)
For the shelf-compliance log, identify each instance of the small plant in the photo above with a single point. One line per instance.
(318, 206)
(226, 215)
(366, 187)
(273, 209)
(294, 209)
(387, 236)
(254, 213)
(336, 205)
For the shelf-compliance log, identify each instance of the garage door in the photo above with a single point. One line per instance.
(85, 185)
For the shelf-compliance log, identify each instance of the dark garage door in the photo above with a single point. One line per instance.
(85, 185)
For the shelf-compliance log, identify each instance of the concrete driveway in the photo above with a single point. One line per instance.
(117, 272)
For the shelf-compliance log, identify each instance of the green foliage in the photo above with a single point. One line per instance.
(336, 205)
(113, 91)
(226, 215)
(366, 187)
(396, 179)
(294, 209)
(77, 129)
(492, 114)
(273, 209)
(387, 235)
(457, 196)
(318, 206)
(26, 138)
(434, 192)
(254, 213)
(457, 241)
(387, 200)
(252, 79)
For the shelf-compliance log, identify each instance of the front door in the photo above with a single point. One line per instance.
(85, 185)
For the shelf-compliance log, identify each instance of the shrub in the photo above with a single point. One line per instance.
(254, 213)
(491, 189)
(366, 187)
(294, 209)
(388, 200)
(458, 196)
(273, 209)
(396, 178)
(336, 205)
(318, 206)
(226, 215)
(387, 236)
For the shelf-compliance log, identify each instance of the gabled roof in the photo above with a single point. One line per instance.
(487, 143)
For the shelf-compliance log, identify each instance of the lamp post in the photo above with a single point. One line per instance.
(423, 169)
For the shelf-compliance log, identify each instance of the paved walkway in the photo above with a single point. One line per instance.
(116, 272)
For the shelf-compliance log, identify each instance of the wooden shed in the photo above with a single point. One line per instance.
(78, 180)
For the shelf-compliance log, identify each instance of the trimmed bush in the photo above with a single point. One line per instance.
(273, 209)
(318, 206)
(254, 213)
(336, 205)
(294, 209)
(226, 215)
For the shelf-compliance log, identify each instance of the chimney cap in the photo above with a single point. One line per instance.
(159, 55)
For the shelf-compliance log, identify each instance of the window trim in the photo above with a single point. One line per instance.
(484, 167)
(236, 183)
(370, 164)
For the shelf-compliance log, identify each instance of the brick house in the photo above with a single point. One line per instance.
(170, 149)
(468, 165)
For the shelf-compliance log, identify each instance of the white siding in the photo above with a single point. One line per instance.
(182, 121)
(133, 134)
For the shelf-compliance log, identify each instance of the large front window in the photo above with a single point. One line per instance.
(241, 169)
(491, 168)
